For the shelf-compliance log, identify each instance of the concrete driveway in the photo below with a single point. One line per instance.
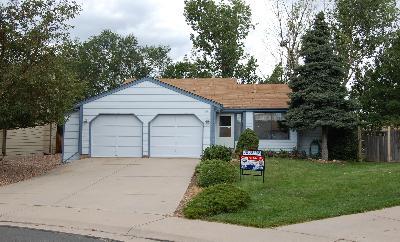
(133, 200)
(99, 194)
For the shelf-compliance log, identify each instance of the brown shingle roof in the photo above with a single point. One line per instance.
(233, 95)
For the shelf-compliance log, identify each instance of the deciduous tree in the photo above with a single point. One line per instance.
(105, 61)
(220, 30)
(36, 84)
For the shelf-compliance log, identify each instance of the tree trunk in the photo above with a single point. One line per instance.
(324, 145)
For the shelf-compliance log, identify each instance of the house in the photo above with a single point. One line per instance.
(179, 118)
(29, 141)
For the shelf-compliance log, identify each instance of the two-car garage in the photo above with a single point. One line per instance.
(145, 118)
(120, 135)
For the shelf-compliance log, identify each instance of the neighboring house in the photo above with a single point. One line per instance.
(178, 118)
(29, 141)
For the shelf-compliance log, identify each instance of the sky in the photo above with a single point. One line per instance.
(161, 22)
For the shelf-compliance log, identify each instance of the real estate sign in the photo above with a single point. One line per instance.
(252, 160)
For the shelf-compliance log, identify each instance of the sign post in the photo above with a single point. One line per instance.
(252, 160)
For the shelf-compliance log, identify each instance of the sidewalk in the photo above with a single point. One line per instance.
(381, 225)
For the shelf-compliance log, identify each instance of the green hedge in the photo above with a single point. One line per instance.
(211, 172)
(217, 152)
(222, 198)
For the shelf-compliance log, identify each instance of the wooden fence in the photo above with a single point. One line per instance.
(382, 146)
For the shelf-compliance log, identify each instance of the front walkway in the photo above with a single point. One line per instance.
(133, 200)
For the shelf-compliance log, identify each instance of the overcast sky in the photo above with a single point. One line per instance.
(161, 22)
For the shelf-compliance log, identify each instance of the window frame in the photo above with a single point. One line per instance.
(224, 126)
(270, 138)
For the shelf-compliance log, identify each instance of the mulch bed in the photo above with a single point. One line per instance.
(191, 192)
(15, 169)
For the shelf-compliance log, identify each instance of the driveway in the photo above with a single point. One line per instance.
(133, 200)
(99, 194)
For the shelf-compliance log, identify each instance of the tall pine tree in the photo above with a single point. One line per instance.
(318, 97)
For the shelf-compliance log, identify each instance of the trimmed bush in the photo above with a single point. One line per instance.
(248, 140)
(222, 198)
(217, 152)
(212, 172)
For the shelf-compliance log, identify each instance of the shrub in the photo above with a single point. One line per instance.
(222, 198)
(342, 144)
(217, 152)
(248, 140)
(211, 172)
(294, 154)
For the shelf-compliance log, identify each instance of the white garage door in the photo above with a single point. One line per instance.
(116, 136)
(176, 136)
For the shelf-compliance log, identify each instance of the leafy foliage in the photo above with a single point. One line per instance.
(319, 98)
(217, 152)
(105, 61)
(248, 140)
(37, 85)
(362, 29)
(212, 172)
(379, 93)
(277, 76)
(294, 18)
(185, 69)
(343, 144)
(221, 29)
(222, 198)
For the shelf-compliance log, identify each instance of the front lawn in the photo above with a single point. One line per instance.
(300, 190)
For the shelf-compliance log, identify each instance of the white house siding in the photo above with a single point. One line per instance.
(277, 145)
(249, 120)
(145, 100)
(71, 137)
(306, 137)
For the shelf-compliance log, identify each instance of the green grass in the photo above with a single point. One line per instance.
(299, 190)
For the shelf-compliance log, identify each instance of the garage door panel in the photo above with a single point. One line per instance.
(176, 131)
(176, 136)
(120, 130)
(116, 136)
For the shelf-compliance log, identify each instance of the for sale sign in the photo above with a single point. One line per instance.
(252, 160)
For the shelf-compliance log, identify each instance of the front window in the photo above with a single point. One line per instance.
(225, 126)
(270, 126)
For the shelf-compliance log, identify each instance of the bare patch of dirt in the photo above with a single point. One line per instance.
(19, 168)
(191, 192)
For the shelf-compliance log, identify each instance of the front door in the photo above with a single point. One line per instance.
(225, 130)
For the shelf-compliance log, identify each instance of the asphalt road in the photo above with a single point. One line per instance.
(16, 234)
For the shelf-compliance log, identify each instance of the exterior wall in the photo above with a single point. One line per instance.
(29, 141)
(277, 145)
(306, 137)
(249, 120)
(71, 138)
(145, 100)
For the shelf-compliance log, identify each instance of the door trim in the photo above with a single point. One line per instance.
(109, 114)
(176, 114)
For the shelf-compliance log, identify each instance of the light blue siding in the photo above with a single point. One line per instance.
(71, 138)
(306, 137)
(249, 120)
(277, 145)
(146, 100)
